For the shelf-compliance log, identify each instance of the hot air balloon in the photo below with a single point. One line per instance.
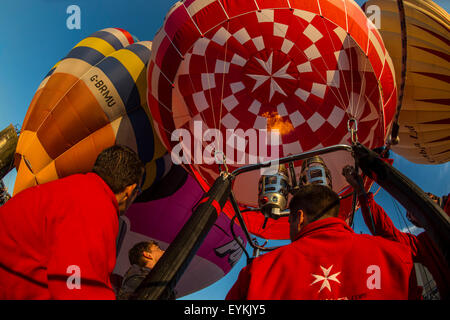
(93, 98)
(160, 213)
(8, 144)
(425, 113)
(305, 68)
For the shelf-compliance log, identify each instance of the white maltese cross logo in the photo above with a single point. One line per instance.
(326, 278)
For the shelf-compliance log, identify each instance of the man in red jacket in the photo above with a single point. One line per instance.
(58, 240)
(326, 259)
(423, 248)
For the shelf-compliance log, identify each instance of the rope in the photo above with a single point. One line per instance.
(237, 239)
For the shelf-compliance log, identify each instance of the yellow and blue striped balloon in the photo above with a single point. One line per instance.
(93, 98)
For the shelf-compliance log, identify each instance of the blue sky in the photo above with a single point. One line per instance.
(35, 37)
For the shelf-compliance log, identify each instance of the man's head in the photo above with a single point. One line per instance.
(145, 254)
(311, 203)
(121, 169)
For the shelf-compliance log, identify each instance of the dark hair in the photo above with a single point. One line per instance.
(136, 253)
(119, 167)
(316, 201)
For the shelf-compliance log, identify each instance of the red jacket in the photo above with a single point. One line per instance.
(423, 248)
(51, 233)
(447, 205)
(329, 261)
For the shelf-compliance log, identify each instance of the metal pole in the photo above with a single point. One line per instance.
(161, 281)
(295, 157)
(244, 226)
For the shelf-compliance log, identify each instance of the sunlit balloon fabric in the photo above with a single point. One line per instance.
(425, 113)
(161, 219)
(309, 65)
(93, 98)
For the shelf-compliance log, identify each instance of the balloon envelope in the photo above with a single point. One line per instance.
(303, 68)
(92, 99)
(425, 114)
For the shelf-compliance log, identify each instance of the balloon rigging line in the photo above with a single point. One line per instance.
(342, 100)
(210, 92)
(226, 13)
(398, 212)
(346, 16)
(350, 110)
(351, 104)
(320, 9)
(193, 21)
(223, 80)
(257, 6)
(237, 239)
(400, 215)
(173, 45)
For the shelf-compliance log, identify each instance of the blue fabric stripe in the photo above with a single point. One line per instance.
(128, 92)
(143, 132)
(141, 51)
(123, 82)
(86, 54)
(108, 37)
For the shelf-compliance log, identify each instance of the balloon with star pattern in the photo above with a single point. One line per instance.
(302, 67)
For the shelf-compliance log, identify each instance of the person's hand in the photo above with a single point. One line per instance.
(433, 197)
(351, 176)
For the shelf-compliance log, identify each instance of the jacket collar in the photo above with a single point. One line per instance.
(106, 188)
(323, 225)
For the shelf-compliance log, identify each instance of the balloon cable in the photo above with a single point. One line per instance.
(238, 240)
(395, 126)
(238, 215)
(401, 218)
(364, 194)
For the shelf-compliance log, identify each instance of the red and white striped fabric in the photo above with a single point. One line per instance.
(235, 64)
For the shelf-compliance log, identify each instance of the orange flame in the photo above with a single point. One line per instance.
(275, 122)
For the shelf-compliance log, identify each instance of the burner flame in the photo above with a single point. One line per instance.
(276, 122)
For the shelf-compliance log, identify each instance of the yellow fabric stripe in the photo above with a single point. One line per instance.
(130, 61)
(98, 44)
(137, 70)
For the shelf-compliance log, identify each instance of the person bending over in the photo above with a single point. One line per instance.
(58, 239)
